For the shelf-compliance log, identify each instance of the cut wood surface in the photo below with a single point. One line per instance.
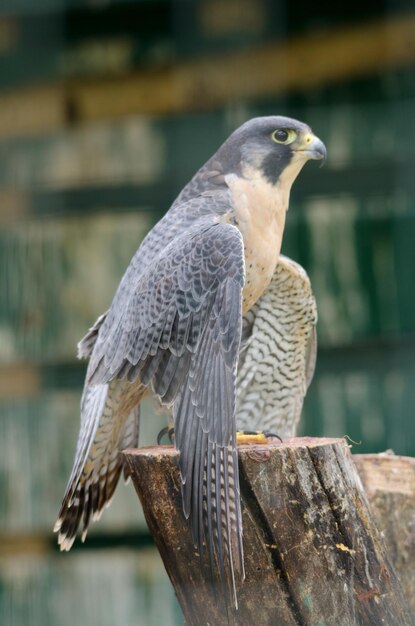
(389, 482)
(313, 555)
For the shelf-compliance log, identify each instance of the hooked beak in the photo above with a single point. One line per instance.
(313, 148)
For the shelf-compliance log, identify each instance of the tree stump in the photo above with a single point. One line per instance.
(313, 556)
(389, 482)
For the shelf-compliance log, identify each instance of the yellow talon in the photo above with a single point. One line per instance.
(245, 439)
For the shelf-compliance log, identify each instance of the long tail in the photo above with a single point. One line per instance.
(109, 424)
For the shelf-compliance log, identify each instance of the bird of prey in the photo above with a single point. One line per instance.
(174, 328)
(278, 353)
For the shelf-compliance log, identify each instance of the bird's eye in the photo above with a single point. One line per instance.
(283, 135)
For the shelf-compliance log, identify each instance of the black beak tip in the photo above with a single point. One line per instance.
(322, 155)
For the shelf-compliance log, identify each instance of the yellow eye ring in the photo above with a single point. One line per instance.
(284, 135)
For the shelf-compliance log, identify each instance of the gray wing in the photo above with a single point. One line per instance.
(177, 328)
(278, 359)
(207, 185)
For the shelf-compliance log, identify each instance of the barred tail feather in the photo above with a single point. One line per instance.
(87, 343)
(105, 432)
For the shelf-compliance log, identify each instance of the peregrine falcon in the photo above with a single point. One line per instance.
(174, 328)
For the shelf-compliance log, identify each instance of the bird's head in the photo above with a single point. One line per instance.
(274, 148)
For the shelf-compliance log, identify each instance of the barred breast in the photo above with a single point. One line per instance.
(278, 355)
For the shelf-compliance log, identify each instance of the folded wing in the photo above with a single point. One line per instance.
(177, 329)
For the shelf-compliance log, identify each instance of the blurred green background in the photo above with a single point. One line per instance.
(107, 107)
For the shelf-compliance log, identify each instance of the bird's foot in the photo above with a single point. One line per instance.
(166, 431)
(255, 436)
(242, 436)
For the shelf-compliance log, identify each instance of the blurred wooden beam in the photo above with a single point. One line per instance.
(33, 110)
(14, 205)
(24, 544)
(19, 379)
(302, 63)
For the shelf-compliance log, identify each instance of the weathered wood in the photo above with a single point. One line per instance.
(389, 483)
(19, 379)
(312, 552)
(303, 63)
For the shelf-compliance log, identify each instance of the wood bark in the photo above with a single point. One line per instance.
(389, 482)
(313, 555)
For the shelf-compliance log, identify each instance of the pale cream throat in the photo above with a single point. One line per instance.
(259, 210)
